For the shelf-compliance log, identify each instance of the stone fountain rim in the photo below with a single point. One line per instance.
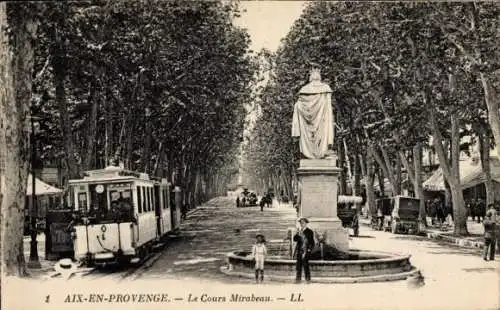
(392, 258)
(341, 280)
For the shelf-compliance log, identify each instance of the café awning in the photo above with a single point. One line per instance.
(471, 174)
(41, 188)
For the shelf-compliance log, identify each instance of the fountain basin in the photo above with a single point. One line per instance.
(362, 266)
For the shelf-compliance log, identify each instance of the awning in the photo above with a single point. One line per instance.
(41, 188)
(471, 174)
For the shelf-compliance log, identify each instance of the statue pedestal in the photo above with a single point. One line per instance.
(318, 180)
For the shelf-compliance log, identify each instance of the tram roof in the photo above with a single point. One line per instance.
(110, 174)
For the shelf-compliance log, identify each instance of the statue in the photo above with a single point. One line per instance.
(313, 118)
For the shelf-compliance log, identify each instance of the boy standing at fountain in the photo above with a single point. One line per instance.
(259, 253)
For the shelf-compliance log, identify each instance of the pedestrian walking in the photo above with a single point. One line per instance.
(238, 202)
(304, 239)
(489, 236)
(259, 253)
(261, 204)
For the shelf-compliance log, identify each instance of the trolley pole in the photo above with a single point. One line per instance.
(34, 261)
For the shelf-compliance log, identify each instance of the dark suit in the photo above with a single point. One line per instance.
(303, 248)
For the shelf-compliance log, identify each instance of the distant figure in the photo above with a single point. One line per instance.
(380, 218)
(261, 204)
(355, 224)
(480, 210)
(491, 208)
(184, 210)
(305, 243)
(237, 202)
(440, 211)
(259, 253)
(468, 206)
(269, 200)
(432, 211)
(489, 236)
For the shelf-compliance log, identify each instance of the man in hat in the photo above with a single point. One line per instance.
(304, 239)
(489, 236)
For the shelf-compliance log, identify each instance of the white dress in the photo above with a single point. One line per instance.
(259, 252)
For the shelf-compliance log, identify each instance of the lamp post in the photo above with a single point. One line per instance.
(34, 261)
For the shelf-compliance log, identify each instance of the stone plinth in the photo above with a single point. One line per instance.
(318, 200)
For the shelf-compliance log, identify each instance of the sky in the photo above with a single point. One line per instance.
(268, 21)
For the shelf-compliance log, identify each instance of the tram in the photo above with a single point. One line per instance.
(119, 215)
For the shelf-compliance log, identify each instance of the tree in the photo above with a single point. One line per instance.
(18, 28)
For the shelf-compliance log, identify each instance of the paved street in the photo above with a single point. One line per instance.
(219, 227)
(454, 276)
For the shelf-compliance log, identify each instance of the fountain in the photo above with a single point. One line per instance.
(331, 260)
(328, 264)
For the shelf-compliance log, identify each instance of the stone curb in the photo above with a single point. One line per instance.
(461, 242)
(379, 278)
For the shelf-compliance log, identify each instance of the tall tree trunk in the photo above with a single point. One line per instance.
(16, 66)
(158, 167)
(341, 159)
(356, 188)
(397, 188)
(484, 151)
(59, 63)
(452, 174)
(385, 163)
(369, 180)
(108, 132)
(381, 179)
(91, 131)
(493, 110)
(146, 154)
(128, 147)
(418, 186)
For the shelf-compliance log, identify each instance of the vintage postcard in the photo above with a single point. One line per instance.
(161, 154)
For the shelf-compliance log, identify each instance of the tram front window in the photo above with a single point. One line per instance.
(98, 201)
(120, 197)
(111, 202)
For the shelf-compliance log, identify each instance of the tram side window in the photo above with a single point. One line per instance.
(151, 193)
(82, 202)
(139, 200)
(148, 206)
(153, 198)
(144, 201)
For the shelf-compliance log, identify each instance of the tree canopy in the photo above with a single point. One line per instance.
(400, 73)
(159, 85)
